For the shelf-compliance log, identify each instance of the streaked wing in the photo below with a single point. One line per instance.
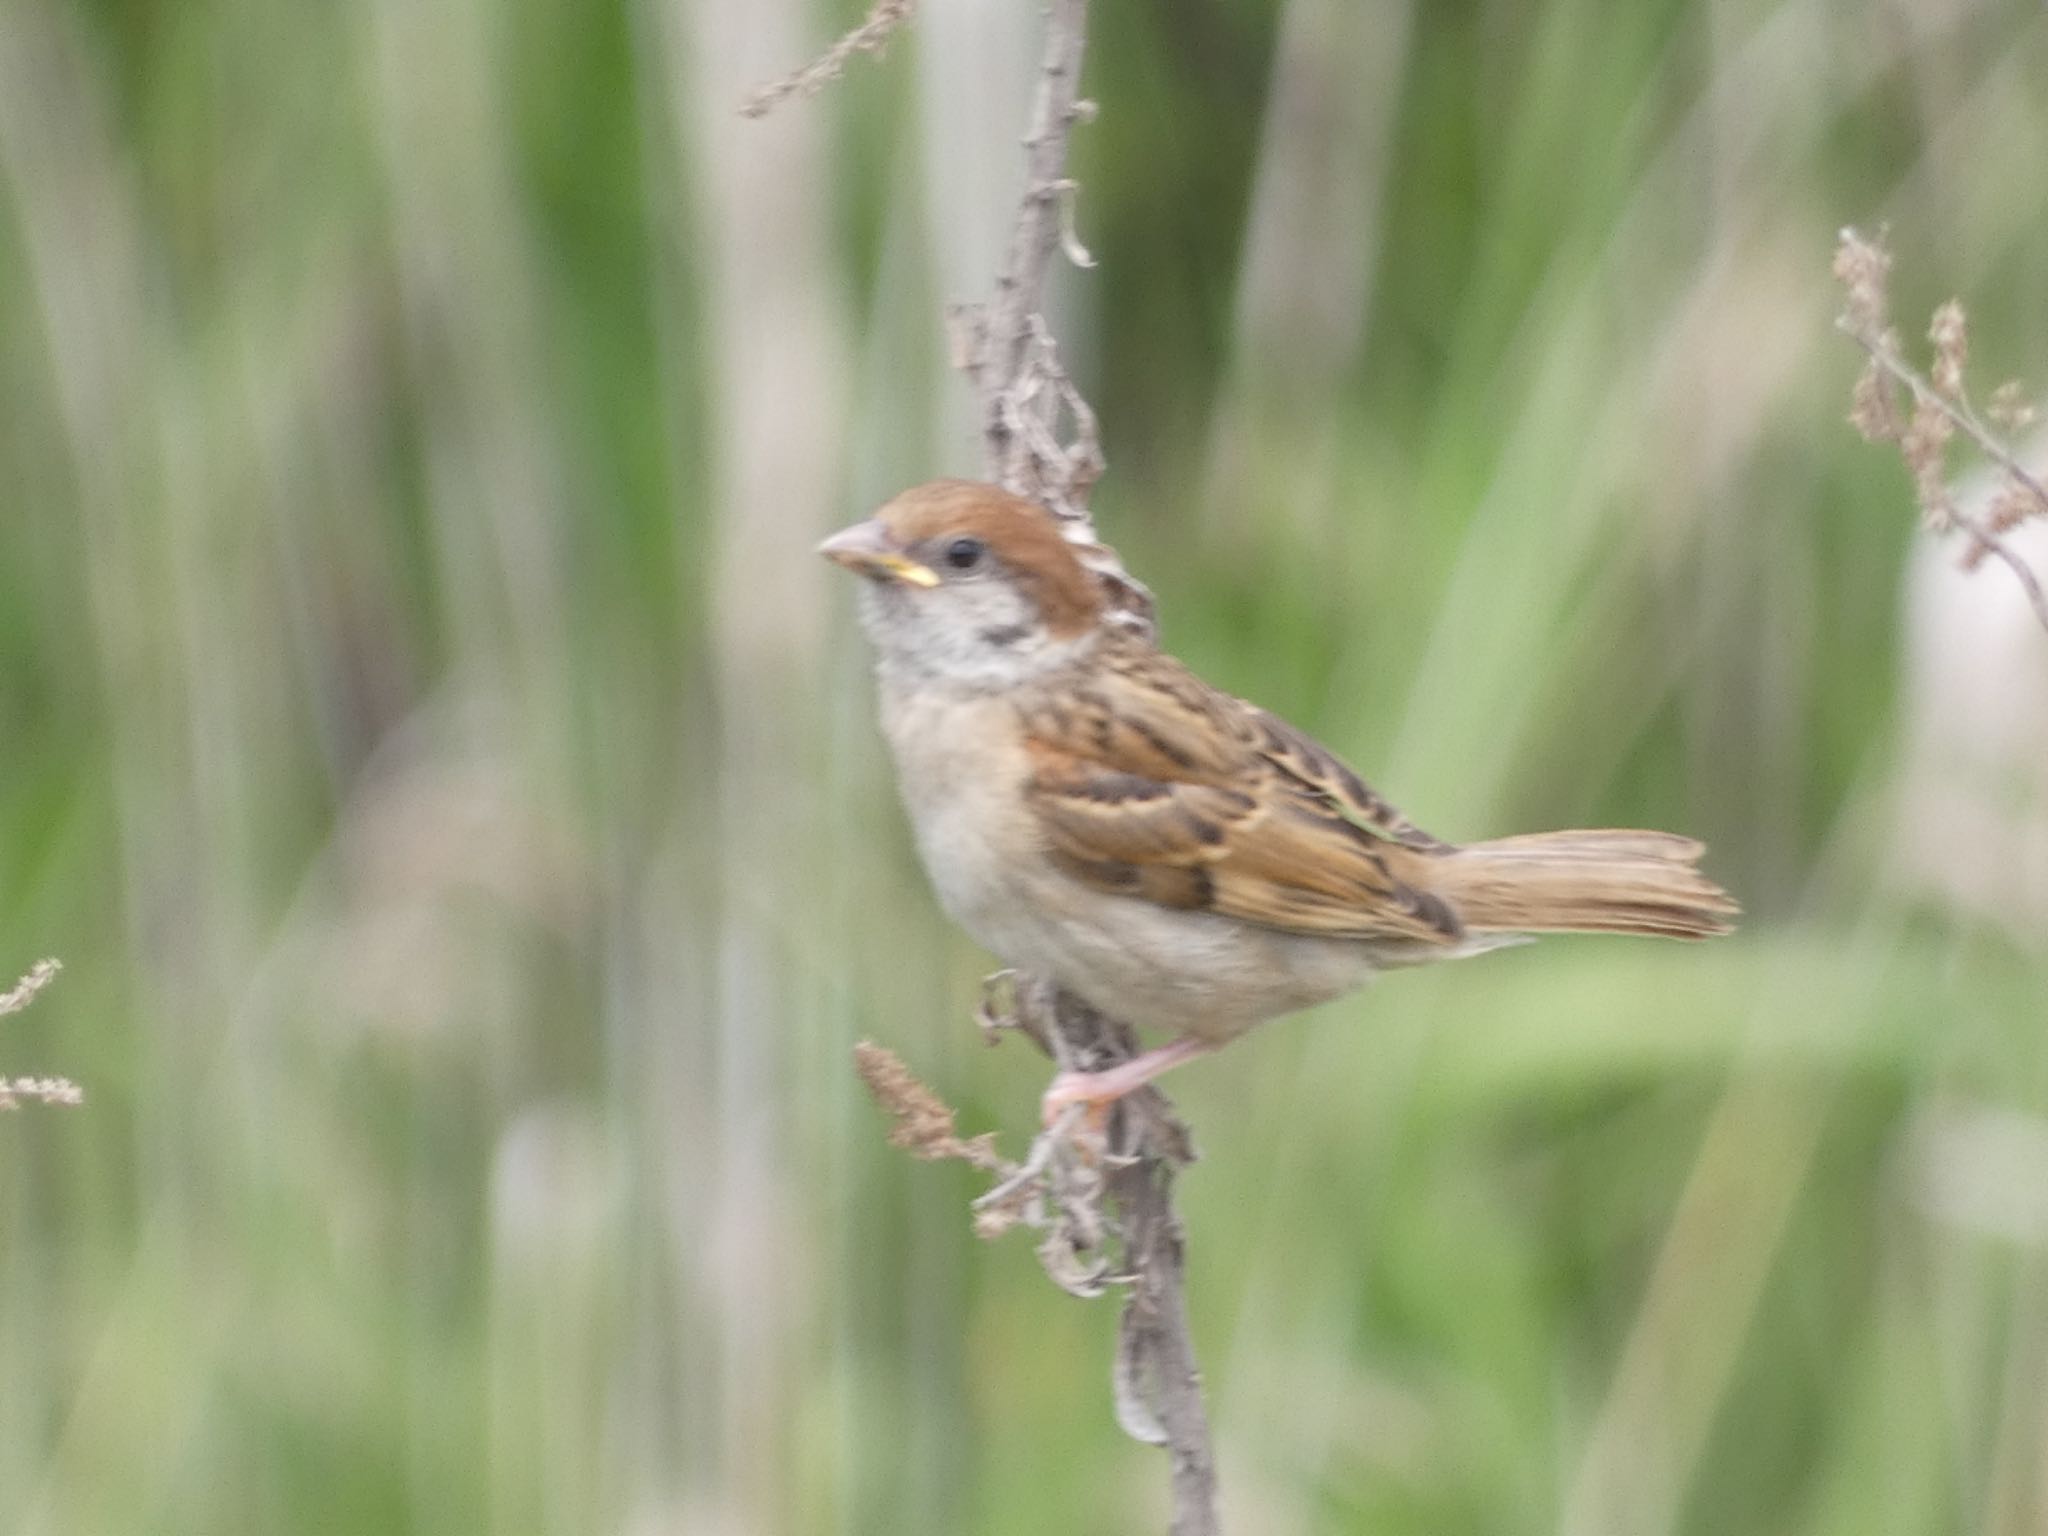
(1149, 783)
(1313, 765)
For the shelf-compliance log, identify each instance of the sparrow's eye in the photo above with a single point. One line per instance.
(964, 554)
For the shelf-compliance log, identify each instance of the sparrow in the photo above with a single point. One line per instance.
(1094, 813)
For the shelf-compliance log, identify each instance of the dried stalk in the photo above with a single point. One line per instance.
(871, 36)
(1883, 355)
(1039, 440)
(1941, 408)
(1007, 349)
(1025, 396)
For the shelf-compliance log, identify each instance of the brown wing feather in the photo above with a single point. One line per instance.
(1149, 783)
(1317, 768)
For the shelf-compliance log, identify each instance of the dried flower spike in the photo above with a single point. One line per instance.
(24, 991)
(1951, 337)
(1873, 411)
(2009, 406)
(924, 1125)
(870, 37)
(1941, 410)
(1863, 267)
(49, 1090)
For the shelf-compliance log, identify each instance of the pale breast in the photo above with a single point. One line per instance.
(960, 767)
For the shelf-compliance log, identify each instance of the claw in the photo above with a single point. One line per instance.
(997, 1012)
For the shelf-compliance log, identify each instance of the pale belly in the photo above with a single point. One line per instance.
(1162, 969)
(1179, 973)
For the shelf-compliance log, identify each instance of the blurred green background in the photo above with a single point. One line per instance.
(448, 776)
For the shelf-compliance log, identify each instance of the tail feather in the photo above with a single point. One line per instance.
(1585, 882)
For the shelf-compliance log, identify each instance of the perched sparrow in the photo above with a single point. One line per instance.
(1096, 814)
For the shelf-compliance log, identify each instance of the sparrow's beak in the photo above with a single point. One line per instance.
(868, 549)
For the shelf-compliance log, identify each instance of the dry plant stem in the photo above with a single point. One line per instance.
(884, 17)
(1012, 361)
(1159, 1386)
(1020, 288)
(1966, 422)
(1026, 398)
(1155, 1336)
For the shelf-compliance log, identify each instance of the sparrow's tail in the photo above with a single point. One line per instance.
(1585, 882)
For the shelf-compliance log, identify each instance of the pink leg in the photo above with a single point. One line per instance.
(1101, 1088)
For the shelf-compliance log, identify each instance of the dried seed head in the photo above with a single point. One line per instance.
(1951, 337)
(50, 1090)
(1863, 267)
(2009, 406)
(2013, 505)
(24, 991)
(870, 37)
(924, 1126)
(1872, 409)
(1925, 450)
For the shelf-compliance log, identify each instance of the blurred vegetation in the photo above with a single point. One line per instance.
(453, 793)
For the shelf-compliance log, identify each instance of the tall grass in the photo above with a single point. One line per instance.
(428, 742)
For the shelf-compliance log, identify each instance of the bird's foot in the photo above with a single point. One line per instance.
(1098, 1090)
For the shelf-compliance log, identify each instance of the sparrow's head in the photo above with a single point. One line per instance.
(969, 584)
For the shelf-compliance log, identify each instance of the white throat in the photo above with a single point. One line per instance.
(967, 640)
